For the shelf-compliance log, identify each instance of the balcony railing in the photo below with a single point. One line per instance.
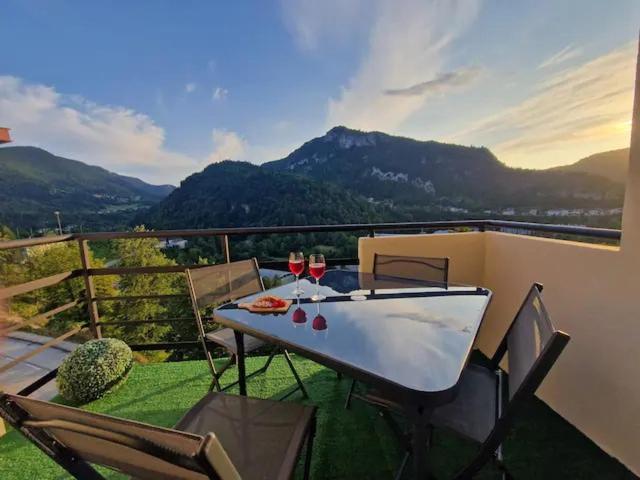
(91, 299)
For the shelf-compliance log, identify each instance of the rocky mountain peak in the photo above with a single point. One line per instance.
(347, 138)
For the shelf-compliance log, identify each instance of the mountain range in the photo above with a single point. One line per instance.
(243, 194)
(612, 165)
(34, 183)
(343, 176)
(410, 172)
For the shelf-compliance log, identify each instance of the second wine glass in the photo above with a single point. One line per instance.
(317, 267)
(296, 266)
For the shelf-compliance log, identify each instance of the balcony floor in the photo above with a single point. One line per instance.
(352, 443)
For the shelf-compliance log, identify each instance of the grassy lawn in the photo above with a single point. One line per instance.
(351, 444)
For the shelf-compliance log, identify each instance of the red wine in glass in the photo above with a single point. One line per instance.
(317, 270)
(317, 267)
(319, 323)
(296, 266)
(299, 316)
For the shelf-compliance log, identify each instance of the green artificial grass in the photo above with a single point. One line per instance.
(350, 444)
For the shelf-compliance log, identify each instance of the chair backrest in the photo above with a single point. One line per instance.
(225, 282)
(533, 345)
(527, 339)
(428, 269)
(76, 439)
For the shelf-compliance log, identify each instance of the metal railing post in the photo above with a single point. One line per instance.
(90, 290)
(227, 251)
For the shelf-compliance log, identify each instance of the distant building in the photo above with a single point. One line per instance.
(4, 135)
(172, 243)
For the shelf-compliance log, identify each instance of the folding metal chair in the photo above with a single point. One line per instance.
(423, 269)
(488, 399)
(214, 285)
(223, 437)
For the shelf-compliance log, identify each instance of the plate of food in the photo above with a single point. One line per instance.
(267, 304)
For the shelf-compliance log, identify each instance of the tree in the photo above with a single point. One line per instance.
(9, 259)
(45, 260)
(145, 252)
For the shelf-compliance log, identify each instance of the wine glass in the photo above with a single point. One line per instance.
(296, 266)
(317, 267)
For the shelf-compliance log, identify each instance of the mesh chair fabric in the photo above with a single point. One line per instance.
(114, 455)
(225, 282)
(429, 269)
(529, 334)
(262, 437)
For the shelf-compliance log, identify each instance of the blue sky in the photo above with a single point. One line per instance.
(159, 89)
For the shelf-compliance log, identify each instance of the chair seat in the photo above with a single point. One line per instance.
(226, 338)
(263, 438)
(473, 413)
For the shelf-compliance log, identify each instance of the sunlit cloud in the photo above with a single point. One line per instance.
(227, 146)
(567, 53)
(230, 145)
(574, 113)
(190, 87)
(113, 137)
(408, 43)
(109, 136)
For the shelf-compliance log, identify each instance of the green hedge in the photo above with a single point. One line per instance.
(93, 369)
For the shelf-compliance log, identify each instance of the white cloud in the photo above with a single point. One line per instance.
(190, 87)
(220, 93)
(407, 45)
(116, 138)
(228, 145)
(567, 53)
(575, 112)
(113, 137)
(312, 22)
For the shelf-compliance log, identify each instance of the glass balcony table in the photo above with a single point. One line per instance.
(409, 339)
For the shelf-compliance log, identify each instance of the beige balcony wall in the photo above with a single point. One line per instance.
(592, 293)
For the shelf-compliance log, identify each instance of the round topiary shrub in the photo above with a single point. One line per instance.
(93, 369)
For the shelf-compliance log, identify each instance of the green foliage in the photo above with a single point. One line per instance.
(241, 194)
(9, 273)
(144, 252)
(237, 194)
(198, 250)
(93, 369)
(271, 282)
(104, 250)
(43, 261)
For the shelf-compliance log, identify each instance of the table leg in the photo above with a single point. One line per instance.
(419, 442)
(242, 378)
